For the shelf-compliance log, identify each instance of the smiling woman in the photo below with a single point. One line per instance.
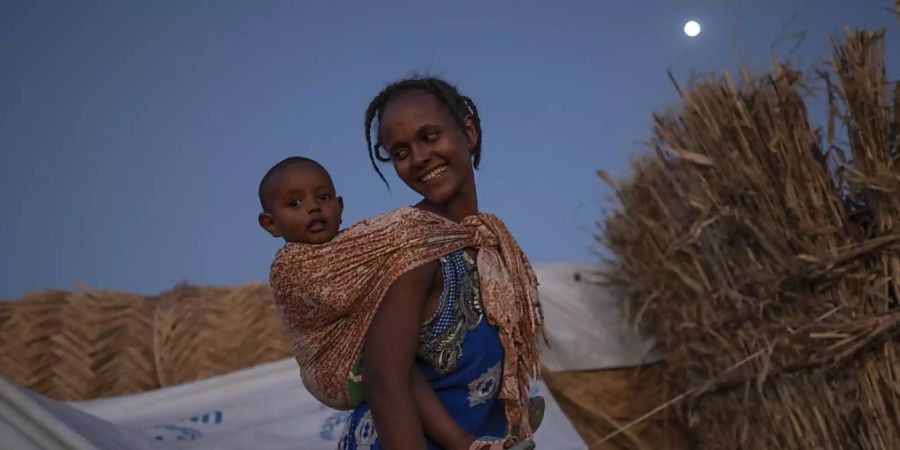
(425, 319)
(431, 153)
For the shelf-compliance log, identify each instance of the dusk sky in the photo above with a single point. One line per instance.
(133, 134)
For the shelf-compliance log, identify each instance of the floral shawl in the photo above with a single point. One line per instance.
(327, 295)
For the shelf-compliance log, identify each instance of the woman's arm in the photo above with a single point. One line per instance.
(438, 424)
(390, 349)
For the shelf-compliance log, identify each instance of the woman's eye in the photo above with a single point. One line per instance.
(400, 154)
(431, 137)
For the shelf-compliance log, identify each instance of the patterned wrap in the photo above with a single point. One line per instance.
(327, 296)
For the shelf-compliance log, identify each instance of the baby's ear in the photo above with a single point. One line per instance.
(267, 222)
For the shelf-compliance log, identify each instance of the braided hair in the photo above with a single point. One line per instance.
(459, 106)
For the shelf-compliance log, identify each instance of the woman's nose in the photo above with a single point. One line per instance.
(421, 155)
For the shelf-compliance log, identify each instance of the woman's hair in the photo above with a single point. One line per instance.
(459, 106)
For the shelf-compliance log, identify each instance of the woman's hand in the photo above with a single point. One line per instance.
(508, 443)
(464, 443)
(438, 424)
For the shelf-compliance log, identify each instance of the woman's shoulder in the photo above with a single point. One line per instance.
(397, 215)
(389, 216)
(398, 223)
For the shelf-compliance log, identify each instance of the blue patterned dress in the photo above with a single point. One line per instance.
(461, 357)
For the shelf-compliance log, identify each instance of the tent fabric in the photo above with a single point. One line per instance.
(584, 323)
(264, 407)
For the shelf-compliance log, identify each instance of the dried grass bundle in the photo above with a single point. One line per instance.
(771, 274)
(92, 344)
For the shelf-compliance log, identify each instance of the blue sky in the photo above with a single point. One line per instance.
(133, 134)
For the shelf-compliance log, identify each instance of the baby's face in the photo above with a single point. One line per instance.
(304, 206)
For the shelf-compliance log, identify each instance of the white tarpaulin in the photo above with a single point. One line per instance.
(266, 407)
(261, 408)
(583, 322)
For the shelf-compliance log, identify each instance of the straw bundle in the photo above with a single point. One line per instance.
(598, 402)
(78, 345)
(766, 257)
(91, 344)
(202, 332)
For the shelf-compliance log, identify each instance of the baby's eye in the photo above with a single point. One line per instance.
(324, 197)
(294, 202)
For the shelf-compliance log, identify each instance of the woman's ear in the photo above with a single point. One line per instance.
(471, 132)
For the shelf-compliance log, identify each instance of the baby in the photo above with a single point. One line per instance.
(299, 204)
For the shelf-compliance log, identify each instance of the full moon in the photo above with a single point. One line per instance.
(692, 28)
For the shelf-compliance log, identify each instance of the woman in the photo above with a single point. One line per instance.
(427, 315)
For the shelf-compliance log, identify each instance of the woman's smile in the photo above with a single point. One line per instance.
(432, 174)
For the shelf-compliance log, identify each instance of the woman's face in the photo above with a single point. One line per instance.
(429, 150)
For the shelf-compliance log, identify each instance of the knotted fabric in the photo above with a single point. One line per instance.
(327, 296)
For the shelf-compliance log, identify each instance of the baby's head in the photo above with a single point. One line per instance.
(299, 203)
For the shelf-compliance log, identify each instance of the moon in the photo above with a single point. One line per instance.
(692, 28)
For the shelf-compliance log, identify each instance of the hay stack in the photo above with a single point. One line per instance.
(598, 402)
(92, 344)
(767, 262)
